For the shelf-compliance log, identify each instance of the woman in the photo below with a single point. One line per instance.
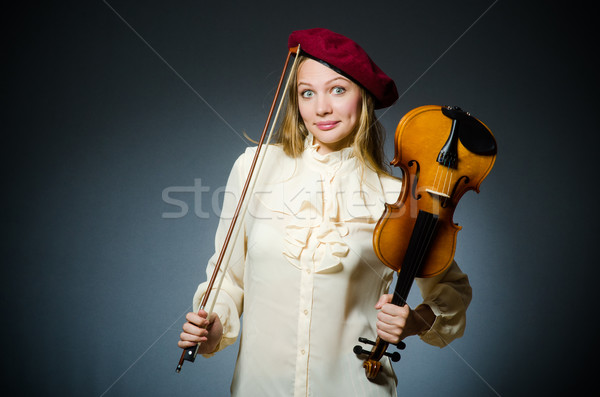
(303, 271)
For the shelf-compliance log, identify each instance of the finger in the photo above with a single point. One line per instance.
(390, 338)
(383, 299)
(394, 310)
(395, 326)
(202, 313)
(397, 321)
(192, 329)
(196, 319)
(194, 339)
(185, 344)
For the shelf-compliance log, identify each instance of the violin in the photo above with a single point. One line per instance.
(443, 152)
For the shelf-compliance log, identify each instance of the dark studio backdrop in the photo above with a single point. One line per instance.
(121, 121)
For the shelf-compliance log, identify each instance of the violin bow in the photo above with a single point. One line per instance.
(190, 353)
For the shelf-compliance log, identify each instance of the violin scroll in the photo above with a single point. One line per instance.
(372, 365)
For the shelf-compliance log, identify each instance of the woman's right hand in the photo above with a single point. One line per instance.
(199, 329)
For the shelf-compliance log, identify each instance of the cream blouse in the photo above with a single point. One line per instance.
(304, 273)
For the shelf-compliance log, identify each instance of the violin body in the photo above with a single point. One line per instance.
(443, 153)
(429, 186)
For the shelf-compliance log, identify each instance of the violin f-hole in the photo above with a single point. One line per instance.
(415, 195)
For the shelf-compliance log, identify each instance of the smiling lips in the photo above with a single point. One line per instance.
(326, 125)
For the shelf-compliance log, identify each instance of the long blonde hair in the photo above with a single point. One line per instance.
(368, 135)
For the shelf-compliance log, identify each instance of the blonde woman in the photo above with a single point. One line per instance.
(303, 270)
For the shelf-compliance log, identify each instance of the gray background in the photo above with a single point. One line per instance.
(98, 269)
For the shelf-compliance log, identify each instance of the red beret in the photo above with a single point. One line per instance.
(348, 58)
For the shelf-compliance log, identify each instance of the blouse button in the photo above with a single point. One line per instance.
(306, 312)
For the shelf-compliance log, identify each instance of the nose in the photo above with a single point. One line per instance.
(323, 105)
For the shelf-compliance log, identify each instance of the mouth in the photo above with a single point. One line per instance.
(326, 125)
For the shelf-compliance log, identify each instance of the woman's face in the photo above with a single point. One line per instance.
(329, 104)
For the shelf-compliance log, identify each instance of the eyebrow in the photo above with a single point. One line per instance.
(327, 82)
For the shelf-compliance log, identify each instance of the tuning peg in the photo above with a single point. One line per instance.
(400, 345)
(358, 350)
(365, 340)
(395, 356)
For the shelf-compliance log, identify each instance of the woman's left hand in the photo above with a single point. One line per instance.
(395, 323)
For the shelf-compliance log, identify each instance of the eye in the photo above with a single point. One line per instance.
(307, 94)
(338, 90)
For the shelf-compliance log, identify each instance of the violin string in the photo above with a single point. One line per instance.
(417, 255)
(450, 183)
(399, 294)
(424, 228)
(431, 231)
(435, 180)
(446, 173)
(447, 177)
(423, 240)
(410, 263)
(411, 253)
(403, 275)
(423, 243)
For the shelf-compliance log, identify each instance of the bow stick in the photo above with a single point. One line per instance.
(190, 353)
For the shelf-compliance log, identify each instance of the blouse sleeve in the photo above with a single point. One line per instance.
(448, 295)
(229, 301)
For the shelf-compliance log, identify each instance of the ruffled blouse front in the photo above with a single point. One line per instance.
(303, 272)
(321, 203)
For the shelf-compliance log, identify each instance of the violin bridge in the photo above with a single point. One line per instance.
(436, 193)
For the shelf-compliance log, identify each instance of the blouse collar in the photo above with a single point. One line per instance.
(330, 161)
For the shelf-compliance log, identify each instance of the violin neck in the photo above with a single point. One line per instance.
(418, 247)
